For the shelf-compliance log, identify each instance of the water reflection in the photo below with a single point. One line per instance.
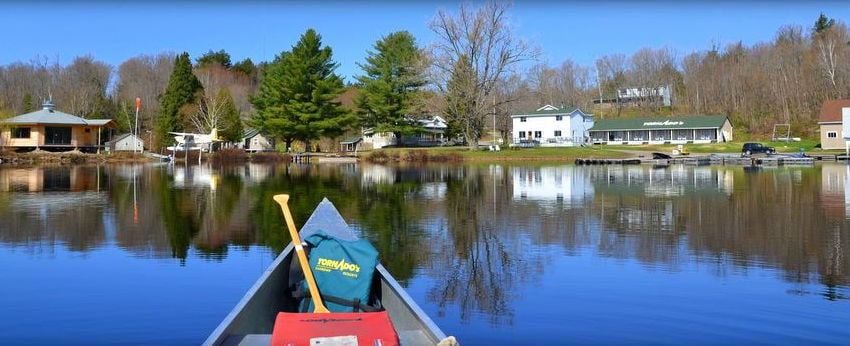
(480, 233)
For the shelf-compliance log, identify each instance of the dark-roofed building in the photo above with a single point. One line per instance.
(350, 144)
(254, 140)
(52, 130)
(662, 130)
(831, 124)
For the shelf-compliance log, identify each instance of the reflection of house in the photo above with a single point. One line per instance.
(831, 123)
(49, 129)
(663, 130)
(650, 182)
(551, 126)
(432, 132)
(551, 183)
(834, 196)
(636, 96)
(126, 142)
(253, 140)
(59, 178)
(377, 174)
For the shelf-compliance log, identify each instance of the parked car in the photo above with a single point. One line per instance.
(756, 148)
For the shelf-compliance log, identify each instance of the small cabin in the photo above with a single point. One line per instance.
(51, 130)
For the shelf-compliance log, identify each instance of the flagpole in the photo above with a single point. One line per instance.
(136, 127)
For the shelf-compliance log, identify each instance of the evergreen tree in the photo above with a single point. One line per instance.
(245, 66)
(297, 97)
(461, 85)
(183, 89)
(231, 123)
(221, 58)
(27, 104)
(390, 99)
(823, 23)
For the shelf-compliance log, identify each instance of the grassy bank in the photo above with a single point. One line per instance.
(571, 153)
(441, 154)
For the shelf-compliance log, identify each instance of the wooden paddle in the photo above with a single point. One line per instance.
(302, 257)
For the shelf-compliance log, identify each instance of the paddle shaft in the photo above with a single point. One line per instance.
(302, 257)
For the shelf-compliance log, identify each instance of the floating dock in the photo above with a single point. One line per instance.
(726, 160)
(608, 161)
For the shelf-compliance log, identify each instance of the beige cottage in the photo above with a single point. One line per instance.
(52, 130)
(831, 123)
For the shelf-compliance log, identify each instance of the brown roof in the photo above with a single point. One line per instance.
(831, 110)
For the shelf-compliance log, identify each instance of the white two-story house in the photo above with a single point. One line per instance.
(550, 126)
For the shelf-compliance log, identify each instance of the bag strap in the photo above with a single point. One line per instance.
(354, 303)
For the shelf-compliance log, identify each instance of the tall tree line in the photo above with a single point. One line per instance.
(471, 75)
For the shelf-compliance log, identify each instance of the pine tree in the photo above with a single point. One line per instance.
(27, 104)
(390, 99)
(183, 89)
(220, 58)
(461, 85)
(297, 97)
(823, 23)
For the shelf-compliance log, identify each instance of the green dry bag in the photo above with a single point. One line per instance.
(343, 271)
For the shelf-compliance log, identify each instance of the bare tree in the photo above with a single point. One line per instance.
(485, 41)
(81, 87)
(831, 46)
(145, 77)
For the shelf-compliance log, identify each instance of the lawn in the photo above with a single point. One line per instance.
(599, 151)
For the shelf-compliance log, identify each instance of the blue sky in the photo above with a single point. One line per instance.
(582, 31)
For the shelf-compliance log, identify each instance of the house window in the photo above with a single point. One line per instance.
(559, 117)
(522, 134)
(20, 132)
(538, 134)
(558, 133)
(522, 119)
(832, 134)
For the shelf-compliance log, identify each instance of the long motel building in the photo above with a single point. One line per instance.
(662, 130)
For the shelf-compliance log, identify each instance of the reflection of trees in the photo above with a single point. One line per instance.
(392, 218)
(179, 215)
(771, 218)
(197, 209)
(486, 262)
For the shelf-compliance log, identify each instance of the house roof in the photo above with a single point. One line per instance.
(434, 123)
(48, 115)
(250, 133)
(676, 122)
(830, 111)
(550, 110)
(351, 140)
(121, 137)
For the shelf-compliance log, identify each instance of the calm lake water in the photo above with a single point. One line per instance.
(494, 253)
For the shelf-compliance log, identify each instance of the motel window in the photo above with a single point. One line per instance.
(522, 119)
(558, 133)
(538, 134)
(522, 134)
(559, 117)
(832, 134)
(20, 132)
